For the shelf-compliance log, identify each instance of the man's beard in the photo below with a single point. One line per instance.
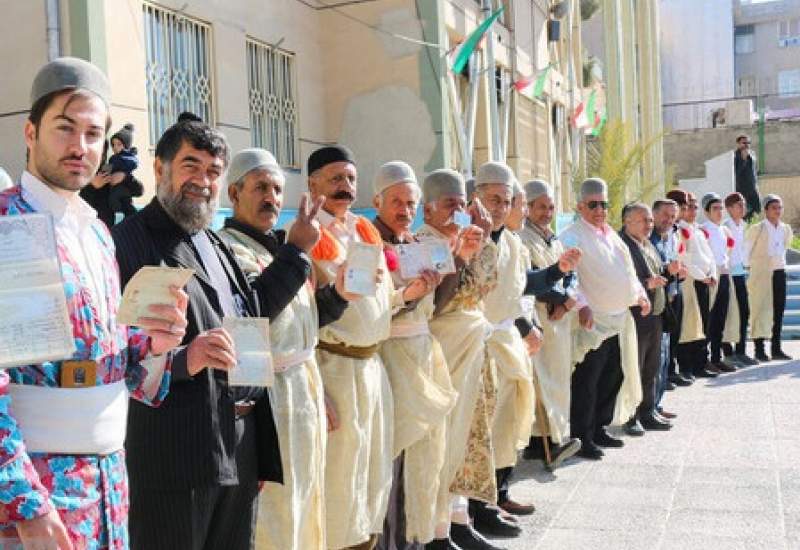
(51, 173)
(190, 215)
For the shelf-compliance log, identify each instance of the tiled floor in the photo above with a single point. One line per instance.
(726, 477)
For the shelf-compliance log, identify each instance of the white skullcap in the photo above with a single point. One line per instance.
(593, 186)
(392, 173)
(709, 198)
(537, 188)
(443, 182)
(248, 160)
(770, 199)
(5, 180)
(494, 172)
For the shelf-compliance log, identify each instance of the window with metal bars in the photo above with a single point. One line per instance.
(272, 97)
(178, 65)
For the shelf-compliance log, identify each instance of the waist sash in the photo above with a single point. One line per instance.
(353, 352)
(74, 421)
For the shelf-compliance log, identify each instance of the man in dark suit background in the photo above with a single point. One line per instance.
(196, 462)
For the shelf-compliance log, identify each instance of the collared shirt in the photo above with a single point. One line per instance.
(667, 247)
(699, 258)
(73, 218)
(736, 254)
(718, 242)
(343, 231)
(776, 247)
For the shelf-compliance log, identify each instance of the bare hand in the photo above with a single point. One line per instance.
(533, 341)
(116, 178)
(339, 285)
(167, 329)
(586, 317)
(683, 272)
(570, 304)
(470, 242)
(330, 414)
(211, 349)
(557, 313)
(674, 267)
(100, 180)
(569, 260)
(305, 231)
(46, 532)
(644, 303)
(710, 281)
(422, 286)
(656, 281)
(480, 216)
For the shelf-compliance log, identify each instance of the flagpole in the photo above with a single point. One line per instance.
(494, 119)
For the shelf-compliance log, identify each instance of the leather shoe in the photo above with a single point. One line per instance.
(653, 424)
(705, 373)
(442, 544)
(667, 415)
(634, 428)
(761, 356)
(488, 520)
(722, 366)
(778, 355)
(590, 451)
(562, 452)
(745, 360)
(669, 386)
(679, 380)
(688, 376)
(516, 508)
(468, 538)
(603, 439)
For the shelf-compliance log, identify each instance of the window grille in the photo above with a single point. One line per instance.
(272, 95)
(178, 66)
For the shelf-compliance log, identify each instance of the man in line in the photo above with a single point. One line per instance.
(724, 311)
(421, 388)
(694, 252)
(556, 310)
(637, 226)
(199, 459)
(56, 481)
(735, 205)
(765, 248)
(291, 514)
(745, 171)
(606, 387)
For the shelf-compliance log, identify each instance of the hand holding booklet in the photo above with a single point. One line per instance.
(363, 261)
(428, 255)
(253, 353)
(34, 320)
(150, 286)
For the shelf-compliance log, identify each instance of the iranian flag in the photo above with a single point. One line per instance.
(584, 116)
(466, 48)
(540, 80)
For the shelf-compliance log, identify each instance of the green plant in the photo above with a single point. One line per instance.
(617, 158)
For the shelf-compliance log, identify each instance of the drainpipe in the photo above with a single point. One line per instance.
(53, 29)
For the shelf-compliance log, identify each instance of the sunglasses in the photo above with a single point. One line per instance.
(594, 204)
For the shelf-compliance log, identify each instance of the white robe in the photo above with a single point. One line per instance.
(514, 413)
(291, 516)
(553, 364)
(759, 283)
(695, 253)
(607, 279)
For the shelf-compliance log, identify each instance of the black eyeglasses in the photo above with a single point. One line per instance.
(594, 204)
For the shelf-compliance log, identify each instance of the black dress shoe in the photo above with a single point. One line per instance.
(562, 452)
(669, 386)
(723, 366)
(634, 428)
(603, 439)
(442, 544)
(590, 451)
(687, 376)
(468, 538)
(488, 520)
(743, 359)
(778, 355)
(679, 380)
(705, 373)
(653, 424)
(761, 356)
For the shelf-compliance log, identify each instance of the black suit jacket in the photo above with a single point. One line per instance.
(189, 441)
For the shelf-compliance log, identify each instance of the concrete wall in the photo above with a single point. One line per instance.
(688, 28)
(688, 150)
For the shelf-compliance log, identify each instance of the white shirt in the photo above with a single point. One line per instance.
(718, 242)
(776, 247)
(699, 258)
(737, 254)
(73, 219)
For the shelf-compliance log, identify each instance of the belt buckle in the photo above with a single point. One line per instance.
(78, 374)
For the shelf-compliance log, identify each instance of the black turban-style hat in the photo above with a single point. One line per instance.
(327, 155)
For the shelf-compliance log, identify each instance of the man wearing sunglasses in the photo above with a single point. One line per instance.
(745, 168)
(607, 376)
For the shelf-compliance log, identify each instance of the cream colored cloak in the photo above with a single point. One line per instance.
(759, 283)
(291, 516)
(694, 252)
(553, 364)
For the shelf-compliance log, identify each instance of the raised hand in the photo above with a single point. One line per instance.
(480, 216)
(167, 329)
(305, 231)
(211, 349)
(586, 317)
(533, 341)
(469, 242)
(339, 285)
(569, 260)
(421, 286)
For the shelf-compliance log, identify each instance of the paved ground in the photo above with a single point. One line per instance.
(726, 477)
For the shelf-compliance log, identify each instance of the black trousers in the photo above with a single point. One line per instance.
(778, 307)
(718, 316)
(693, 356)
(503, 478)
(648, 333)
(595, 384)
(207, 518)
(742, 299)
(675, 334)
